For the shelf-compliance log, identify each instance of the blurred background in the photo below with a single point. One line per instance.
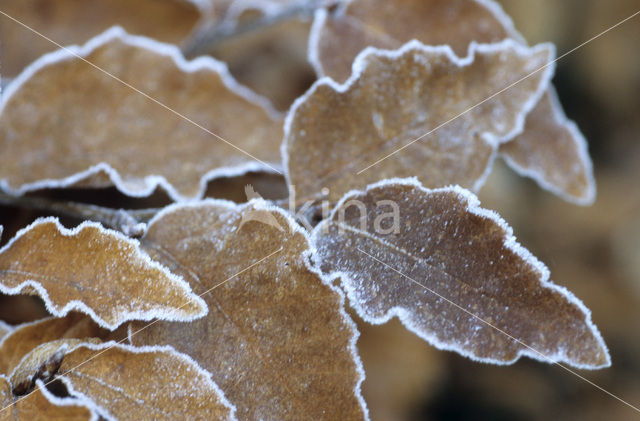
(593, 251)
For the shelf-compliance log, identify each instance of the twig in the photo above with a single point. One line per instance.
(129, 222)
(211, 35)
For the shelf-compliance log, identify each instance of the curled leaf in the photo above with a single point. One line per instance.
(28, 336)
(96, 271)
(159, 120)
(454, 275)
(337, 38)
(71, 22)
(277, 339)
(388, 119)
(552, 151)
(173, 386)
(40, 405)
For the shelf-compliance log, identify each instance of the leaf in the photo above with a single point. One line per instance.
(42, 363)
(453, 273)
(394, 106)
(277, 339)
(173, 387)
(71, 22)
(96, 271)
(113, 134)
(552, 151)
(40, 405)
(28, 336)
(337, 38)
(5, 329)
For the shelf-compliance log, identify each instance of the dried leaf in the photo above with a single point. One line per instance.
(174, 386)
(5, 329)
(42, 363)
(335, 133)
(28, 336)
(74, 21)
(444, 259)
(552, 151)
(337, 38)
(40, 405)
(96, 271)
(276, 340)
(112, 132)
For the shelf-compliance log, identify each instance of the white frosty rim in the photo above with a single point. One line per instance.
(405, 316)
(151, 182)
(160, 312)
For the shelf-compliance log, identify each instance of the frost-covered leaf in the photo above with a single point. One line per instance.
(40, 405)
(66, 123)
(276, 340)
(454, 275)
(338, 37)
(96, 271)
(335, 133)
(41, 363)
(143, 383)
(28, 336)
(75, 21)
(5, 329)
(552, 151)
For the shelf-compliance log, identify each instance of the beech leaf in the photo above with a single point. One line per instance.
(28, 336)
(203, 125)
(552, 151)
(340, 137)
(71, 22)
(556, 149)
(453, 273)
(277, 339)
(174, 386)
(96, 271)
(40, 405)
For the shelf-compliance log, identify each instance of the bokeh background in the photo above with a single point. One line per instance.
(593, 251)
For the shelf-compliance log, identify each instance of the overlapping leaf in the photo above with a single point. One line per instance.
(28, 336)
(276, 340)
(41, 405)
(338, 37)
(552, 151)
(95, 271)
(454, 275)
(391, 113)
(69, 22)
(158, 383)
(165, 122)
(5, 329)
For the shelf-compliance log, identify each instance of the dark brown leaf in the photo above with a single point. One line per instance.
(96, 271)
(276, 340)
(114, 134)
(342, 137)
(454, 275)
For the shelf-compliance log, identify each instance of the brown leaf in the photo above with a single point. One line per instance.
(28, 336)
(454, 275)
(96, 271)
(276, 340)
(552, 151)
(337, 38)
(40, 405)
(143, 383)
(112, 132)
(42, 363)
(336, 133)
(5, 329)
(74, 21)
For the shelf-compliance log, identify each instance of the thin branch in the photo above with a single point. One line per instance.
(213, 34)
(129, 222)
